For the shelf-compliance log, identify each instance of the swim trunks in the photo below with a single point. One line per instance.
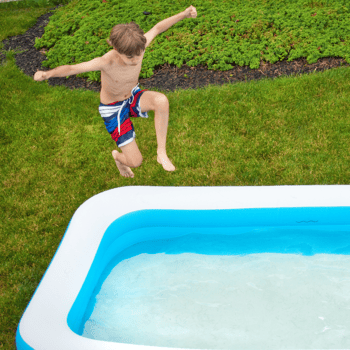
(116, 117)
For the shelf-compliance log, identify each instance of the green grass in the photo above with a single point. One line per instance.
(55, 153)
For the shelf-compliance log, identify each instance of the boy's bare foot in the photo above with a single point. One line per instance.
(124, 170)
(165, 161)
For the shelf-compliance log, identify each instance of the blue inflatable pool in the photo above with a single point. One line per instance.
(114, 220)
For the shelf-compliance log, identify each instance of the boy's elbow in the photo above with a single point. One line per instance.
(59, 72)
(68, 70)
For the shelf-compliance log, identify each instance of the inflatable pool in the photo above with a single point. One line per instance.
(111, 221)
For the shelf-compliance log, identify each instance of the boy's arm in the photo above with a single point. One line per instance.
(167, 23)
(66, 70)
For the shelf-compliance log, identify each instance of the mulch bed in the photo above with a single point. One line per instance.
(166, 77)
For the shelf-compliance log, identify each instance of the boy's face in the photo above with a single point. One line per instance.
(130, 61)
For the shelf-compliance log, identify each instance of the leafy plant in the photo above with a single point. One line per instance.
(245, 33)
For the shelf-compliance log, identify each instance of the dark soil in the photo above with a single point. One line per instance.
(166, 77)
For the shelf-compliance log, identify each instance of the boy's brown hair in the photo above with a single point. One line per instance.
(128, 39)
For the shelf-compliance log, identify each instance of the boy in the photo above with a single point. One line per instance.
(120, 98)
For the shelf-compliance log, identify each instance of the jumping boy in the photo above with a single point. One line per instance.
(120, 95)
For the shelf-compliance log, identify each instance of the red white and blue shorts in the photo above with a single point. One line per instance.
(116, 117)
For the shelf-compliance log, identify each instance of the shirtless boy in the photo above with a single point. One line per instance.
(120, 96)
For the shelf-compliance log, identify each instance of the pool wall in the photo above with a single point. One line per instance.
(111, 221)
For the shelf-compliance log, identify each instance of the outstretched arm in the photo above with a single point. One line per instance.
(167, 23)
(66, 70)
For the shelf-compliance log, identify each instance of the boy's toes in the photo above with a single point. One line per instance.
(166, 163)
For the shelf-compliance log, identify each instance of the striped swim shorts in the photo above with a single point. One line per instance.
(116, 117)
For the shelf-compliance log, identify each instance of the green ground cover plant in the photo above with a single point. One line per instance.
(224, 33)
(55, 152)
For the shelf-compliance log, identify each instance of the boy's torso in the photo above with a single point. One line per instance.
(117, 80)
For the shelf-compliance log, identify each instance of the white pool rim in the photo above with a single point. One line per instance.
(44, 325)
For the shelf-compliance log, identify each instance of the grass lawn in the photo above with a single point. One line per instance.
(56, 153)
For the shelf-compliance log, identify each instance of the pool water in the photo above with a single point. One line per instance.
(268, 288)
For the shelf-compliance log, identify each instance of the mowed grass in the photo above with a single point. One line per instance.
(55, 154)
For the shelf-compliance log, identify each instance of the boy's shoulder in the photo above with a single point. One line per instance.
(108, 57)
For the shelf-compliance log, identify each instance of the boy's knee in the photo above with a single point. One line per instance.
(161, 101)
(136, 161)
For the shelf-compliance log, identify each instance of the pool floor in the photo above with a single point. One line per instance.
(207, 291)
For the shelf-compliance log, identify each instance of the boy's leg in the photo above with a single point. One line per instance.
(130, 157)
(157, 102)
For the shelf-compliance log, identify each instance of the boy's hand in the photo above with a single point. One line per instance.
(191, 12)
(40, 76)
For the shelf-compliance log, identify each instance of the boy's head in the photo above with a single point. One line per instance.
(128, 39)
